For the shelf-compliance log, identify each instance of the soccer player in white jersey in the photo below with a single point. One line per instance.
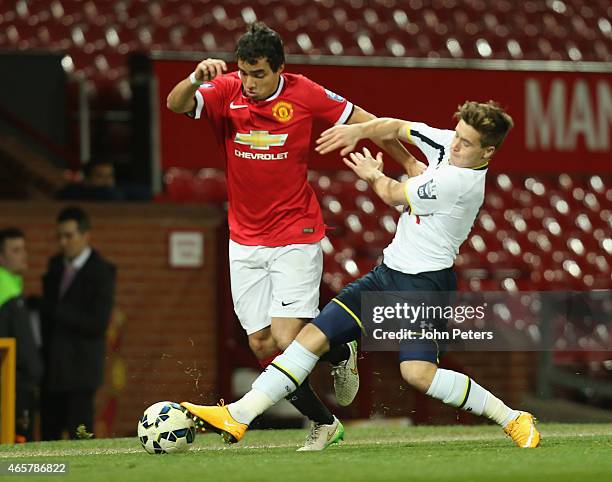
(441, 206)
(262, 117)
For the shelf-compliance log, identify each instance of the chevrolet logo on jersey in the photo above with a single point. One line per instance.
(261, 140)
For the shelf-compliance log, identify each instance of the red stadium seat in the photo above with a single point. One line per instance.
(543, 220)
(529, 30)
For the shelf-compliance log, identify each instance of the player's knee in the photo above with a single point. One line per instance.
(262, 350)
(418, 374)
(313, 339)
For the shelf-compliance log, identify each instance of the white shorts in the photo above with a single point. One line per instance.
(269, 282)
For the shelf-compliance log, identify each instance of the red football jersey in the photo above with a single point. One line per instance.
(266, 145)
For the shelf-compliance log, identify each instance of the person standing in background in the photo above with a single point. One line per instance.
(15, 323)
(78, 297)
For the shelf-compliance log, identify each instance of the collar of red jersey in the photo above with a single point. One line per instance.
(279, 89)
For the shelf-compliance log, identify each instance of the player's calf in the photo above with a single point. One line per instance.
(418, 374)
(262, 344)
(460, 391)
(313, 339)
(285, 330)
(306, 401)
(281, 378)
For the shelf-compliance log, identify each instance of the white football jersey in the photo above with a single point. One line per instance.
(443, 203)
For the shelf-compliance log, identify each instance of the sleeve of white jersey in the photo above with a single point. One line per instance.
(432, 192)
(432, 142)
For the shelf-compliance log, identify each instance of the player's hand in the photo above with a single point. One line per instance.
(346, 136)
(416, 169)
(364, 165)
(208, 69)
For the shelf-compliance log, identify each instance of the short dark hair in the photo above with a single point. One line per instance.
(260, 41)
(489, 119)
(9, 233)
(75, 213)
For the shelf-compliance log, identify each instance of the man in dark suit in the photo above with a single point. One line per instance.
(78, 295)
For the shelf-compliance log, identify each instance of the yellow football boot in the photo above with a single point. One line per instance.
(218, 419)
(523, 431)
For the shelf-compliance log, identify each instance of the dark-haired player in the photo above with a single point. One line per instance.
(262, 118)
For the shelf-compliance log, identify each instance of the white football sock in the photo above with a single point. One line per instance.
(286, 372)
(458, 390)
(498, 411)
(248, 407)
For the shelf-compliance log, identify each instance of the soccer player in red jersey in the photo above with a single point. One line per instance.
(262, 118)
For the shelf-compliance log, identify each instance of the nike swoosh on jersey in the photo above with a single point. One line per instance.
(237, 106)
(287, 304)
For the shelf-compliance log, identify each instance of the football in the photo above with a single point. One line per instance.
(164, 428)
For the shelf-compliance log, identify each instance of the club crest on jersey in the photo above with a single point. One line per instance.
(428, 190)
(282, 111)
(260, 140)
(334, 96)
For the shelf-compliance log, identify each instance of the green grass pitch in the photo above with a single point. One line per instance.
(569, 452)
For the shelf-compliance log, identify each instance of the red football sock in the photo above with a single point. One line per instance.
(266, 361)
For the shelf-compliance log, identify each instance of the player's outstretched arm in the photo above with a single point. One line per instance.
(347, 136)
(369, 169)
(385, 132)
(181, 98)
